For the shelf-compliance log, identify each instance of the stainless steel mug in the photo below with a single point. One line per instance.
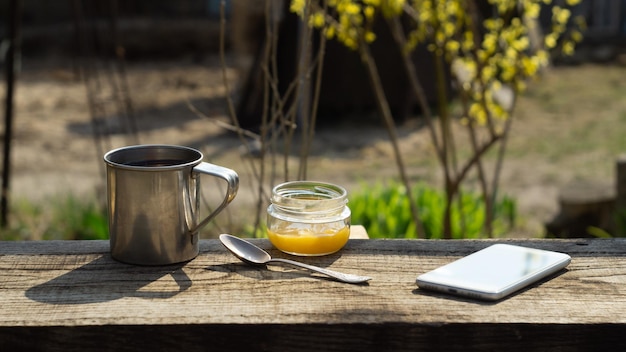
(154, 200)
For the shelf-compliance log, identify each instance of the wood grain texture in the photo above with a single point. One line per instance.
(70, 295)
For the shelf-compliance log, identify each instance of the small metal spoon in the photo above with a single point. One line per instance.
(251, 254)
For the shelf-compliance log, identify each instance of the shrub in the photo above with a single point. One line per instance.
(60, 218)
(385, 212)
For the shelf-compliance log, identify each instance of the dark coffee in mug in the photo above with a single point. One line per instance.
(155, 163)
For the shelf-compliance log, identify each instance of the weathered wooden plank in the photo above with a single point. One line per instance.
(72, 294)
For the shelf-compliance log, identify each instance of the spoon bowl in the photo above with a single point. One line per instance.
(251, 254)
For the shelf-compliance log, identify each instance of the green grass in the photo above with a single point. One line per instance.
(59, 218)
(385, 212)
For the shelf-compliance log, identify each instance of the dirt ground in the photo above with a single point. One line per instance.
(54, 152)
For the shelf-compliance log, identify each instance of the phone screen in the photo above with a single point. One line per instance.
(494, 272)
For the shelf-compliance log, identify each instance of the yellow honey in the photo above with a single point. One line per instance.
(307, 242)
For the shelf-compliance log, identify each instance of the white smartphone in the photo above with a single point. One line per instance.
(494, 272)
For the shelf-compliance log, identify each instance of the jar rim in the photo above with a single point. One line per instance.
(309, 196)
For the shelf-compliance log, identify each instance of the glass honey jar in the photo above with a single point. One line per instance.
(308, 218)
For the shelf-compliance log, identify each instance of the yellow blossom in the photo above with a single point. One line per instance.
(478, 113)
(532, 9)
(452, 46)
(449, 29)
(497, 111)
(468, 41)
(352, 9)
(568, 48)
(550, 41)
(521, 44)
(369, 12)
(317, 20)
(493, 24)
(560, 14)
(392, 7)
(370, 36)
(509, 73)
(489, 42)
(487, 73)
(577, 36)
(530, 66)
(330, 32)
(297, 7)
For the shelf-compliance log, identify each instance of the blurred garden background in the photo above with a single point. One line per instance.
(95, 75)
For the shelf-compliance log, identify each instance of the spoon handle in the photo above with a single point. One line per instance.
(348, 278)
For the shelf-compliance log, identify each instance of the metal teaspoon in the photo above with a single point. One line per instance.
(251, 254)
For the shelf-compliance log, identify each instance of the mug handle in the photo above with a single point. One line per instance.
(231, 178)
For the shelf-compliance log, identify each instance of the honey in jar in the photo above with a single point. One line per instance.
(308, 218)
